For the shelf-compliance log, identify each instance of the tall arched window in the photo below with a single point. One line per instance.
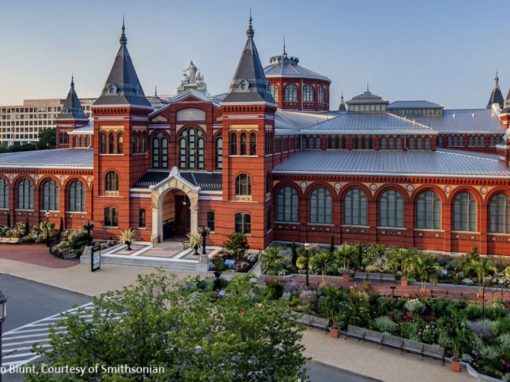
(307, 93)
(111, 143)
(191, 149)
(50, 196)
(320, 93)
(274, 92)
(253, 144)
(4, 193)
(111, 181)
(243, 185)
(243, 223)
(287, 205)
(428, 211)
(111, 217)
(499, 214)
(25, 191)
(159, 151)
(76, 197)
(464, 212)
(411, 144)
(142, 221)
(391, 209)
(355, 208)
(102, 143)
(233, 144)
(320, 206)
(87, 141)
(268, 183)
(290, 93)
(218, 162)
(120, 144)
(242, 146)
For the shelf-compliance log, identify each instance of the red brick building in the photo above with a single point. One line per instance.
(270, 159)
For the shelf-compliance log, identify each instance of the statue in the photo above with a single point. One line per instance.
(193, 79)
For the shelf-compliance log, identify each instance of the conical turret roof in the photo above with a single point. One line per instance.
(249, 84)
(496, 95)
(72, 110)
(123, 88)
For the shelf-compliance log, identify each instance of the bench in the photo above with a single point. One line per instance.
(368, 276)
(374, 336)
(9, 240)
(392, 341)
(356, 332)
(314, 322)
(434, 351)
(411, 346)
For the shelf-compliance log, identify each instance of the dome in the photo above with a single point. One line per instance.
(288, 67)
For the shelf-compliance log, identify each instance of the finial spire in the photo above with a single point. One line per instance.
(155, 91)
(250, 32)
(368, 88)
(123, 38)
(72, 80)
(496, 78)
(284, 51)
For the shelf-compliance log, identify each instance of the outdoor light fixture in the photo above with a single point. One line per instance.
(308, 246)
(204, 233)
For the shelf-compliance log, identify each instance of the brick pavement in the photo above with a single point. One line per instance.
(36, 254)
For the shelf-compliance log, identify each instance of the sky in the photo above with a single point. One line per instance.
(444, 51)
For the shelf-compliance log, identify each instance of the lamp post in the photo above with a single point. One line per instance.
(89, 227)
(204, 233)
(3, 315)
(47, 214)
(307, 263)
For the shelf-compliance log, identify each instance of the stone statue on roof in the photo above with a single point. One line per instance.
(193, 79)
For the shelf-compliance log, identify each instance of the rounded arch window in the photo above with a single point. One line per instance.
(111, 181)
(50, 196)
(290, 93)
(243, 185)
(464, 212)
(25, 194)
(191, 149)
(428, 211)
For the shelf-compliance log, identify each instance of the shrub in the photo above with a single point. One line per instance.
(504, 342)
(271, 261)
(415, 306)
(237, 244)
(385, 324)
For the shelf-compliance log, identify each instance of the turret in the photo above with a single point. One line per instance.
(71, 117)
(496, 95)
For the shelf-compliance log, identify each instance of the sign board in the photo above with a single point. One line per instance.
(95, 260)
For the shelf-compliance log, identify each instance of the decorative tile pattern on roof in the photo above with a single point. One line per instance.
(464, 121)
(441, 163)
(57, 158)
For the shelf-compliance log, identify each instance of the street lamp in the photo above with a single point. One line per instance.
(204, 233)
(3, 315)
(307, 257)
(47, 214)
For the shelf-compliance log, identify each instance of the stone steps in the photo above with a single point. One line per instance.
(167, 264)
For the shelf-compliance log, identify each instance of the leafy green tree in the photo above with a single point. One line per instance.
(320, 261)
(183, 329)
(400, 259)
(425, 267)
(47, 139)
(237, 244)
(481, 267)
(271, 261)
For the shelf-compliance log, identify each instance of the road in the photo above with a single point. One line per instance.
(320, 372)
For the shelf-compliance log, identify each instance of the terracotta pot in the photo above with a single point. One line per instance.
(403, 282)
(409, 314)
(334, 332)
(345, 278)
(479, 296)
(456, 366)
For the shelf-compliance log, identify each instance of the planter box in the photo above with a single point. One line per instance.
(334, 332)
(456, 366)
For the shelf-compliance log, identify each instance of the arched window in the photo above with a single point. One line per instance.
(76, 197)
(233, 144)
(253, 144)
(102, 144)
(191, 149)
(307, 93)
(50, 196)
(243, 185)
(120, 144)
(268, 183)
(142, 221)
(383, 143)
(111, 181)
(320, 206)
(391, 209)
(243, 144)
(427, 143)
(321, 94)
(499, 214)
(218, 162)
(4, 194)
(274, 92)
(287, 205)
(419, 143)
(111, 143)
(25, 195)
(355, 208)
(464, 212)
(111, 217)
(290, 93)
(159, 151)
(428, 211)
(243, 223)
(87, 141)
(411, 144)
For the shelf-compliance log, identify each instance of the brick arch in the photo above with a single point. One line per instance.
(190, 126)
(286, 183)
(103, 176)
(492, 193)
(41, 183)
(15, 183)
(392, 187)
(345, 189)
(429, 187)
(473, 191)
(71, 179)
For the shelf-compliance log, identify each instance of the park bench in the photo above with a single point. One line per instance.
(374, 336)
(9, 240)
(368, 276)
(314, 322)
(392, 341)
(434, 351)
(356, 332)
(411, 346)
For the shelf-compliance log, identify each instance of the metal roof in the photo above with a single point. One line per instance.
(367, 123)
(288, 67)
(422, 104)
(71, 109)
(440, 163)
(88, 129)
(367, 97)
(56, 158)
(207, 181)
(464, 121)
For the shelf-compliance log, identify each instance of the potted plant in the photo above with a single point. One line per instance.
(127, 237)
(194, 239)
(455, 364)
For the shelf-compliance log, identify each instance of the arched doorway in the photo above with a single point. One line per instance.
(176, 214)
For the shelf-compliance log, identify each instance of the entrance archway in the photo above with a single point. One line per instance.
(176, 214)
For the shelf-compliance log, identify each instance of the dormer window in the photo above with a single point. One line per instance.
(244, 85)
(112, 89)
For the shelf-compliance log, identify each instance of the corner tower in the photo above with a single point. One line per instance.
(120, 144)
(71, 117)
(496, 95)
(248, 129)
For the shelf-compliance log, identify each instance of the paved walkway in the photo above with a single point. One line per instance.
(34, 254)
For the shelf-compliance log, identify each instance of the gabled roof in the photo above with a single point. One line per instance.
(179, 97)
(496, 95)
(205, 180)
(72, 110)
(366, 98)
(123, 88)
(249, 84)
(464, 121)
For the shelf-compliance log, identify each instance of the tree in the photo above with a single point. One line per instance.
(400, 260)
(237, 244)
(271, 261)
(320, 261)
(424, 267)
(183, 329)
(47, 139)
(482, 267)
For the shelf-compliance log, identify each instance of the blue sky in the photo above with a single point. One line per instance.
(445, 51)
